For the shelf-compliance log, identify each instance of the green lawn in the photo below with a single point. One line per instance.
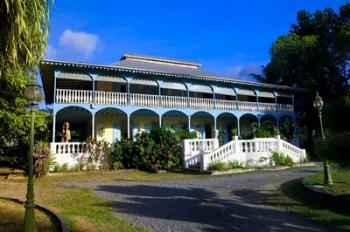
(12, 218)
(341, 178)
(292, 197)
(80, 208)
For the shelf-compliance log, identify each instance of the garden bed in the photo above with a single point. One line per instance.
(273, 168)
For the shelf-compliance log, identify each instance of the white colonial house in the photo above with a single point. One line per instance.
(117, 101)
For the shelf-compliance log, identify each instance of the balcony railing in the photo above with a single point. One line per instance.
(103, 97)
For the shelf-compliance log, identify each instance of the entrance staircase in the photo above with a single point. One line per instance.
(199, 153)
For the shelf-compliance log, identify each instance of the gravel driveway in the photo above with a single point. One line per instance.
(228, 203)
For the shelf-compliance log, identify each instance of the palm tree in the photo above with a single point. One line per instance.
(24, 30)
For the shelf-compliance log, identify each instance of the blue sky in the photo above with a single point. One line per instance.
(227, 37)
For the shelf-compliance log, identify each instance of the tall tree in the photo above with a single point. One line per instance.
(23, 37)
(24, 30)
(315, 56)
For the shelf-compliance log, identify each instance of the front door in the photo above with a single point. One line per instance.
(208, 132)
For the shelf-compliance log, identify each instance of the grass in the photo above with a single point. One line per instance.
(79, 207)
(292, 197)
(341, 179)
(12, 218)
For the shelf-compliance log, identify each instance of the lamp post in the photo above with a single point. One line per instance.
(318, 104)
(33, 95)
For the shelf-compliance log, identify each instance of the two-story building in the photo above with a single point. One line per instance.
(117, 101)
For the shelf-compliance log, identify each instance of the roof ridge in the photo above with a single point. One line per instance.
(143, 58)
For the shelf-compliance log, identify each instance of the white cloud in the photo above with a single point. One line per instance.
(51, 52)
(243, 72)
(79, 43)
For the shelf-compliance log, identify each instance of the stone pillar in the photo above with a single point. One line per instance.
(189, 123)
(53, 128)
(160, 120)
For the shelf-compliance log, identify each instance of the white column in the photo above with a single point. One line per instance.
(238, 128)
(215, 130)
(53, 128)
(276, 106)
(93, 126)
(160, 120)
(257, 100)
(128, 125)
(189, 123)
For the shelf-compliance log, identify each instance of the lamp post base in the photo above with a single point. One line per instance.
(327, 179)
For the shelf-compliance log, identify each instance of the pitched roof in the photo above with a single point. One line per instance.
(149, 65)
(163, 65)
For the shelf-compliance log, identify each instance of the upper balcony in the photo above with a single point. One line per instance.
(157, 82)
(150, 100)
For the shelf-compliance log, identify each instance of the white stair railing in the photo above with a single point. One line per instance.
(194, 146)
(256, 152)
(297, 154)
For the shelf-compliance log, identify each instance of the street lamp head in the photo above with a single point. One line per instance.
(318, 103)
(32, 93)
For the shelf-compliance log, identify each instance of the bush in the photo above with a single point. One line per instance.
(280, 159)
(233, 164)
(64, 168)
(334, 148)
(79, 166)
(158, 149)
(122, 152)
(217, 166)
(60, 168)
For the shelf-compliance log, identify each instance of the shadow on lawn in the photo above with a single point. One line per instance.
(203, 207)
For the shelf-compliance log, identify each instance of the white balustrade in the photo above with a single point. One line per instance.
(201, 103)
(195, 146)
(67, 148)
(105, 97)
(174, 101)
(267, 107)
(73, 96)
(225, 105)
(248, 106)
(144, 100)
(285, 107)
(256, 152)
(297, 154)
(102, 97)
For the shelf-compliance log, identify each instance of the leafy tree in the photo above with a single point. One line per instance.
(23, 29)
(337, 115)
(314, 55)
